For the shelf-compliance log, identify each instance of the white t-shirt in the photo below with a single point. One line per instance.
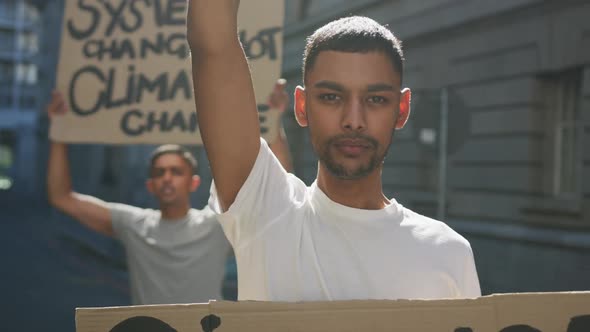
(292, 243)
(171, 261)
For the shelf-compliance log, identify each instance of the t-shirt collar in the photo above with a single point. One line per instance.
(318, 198)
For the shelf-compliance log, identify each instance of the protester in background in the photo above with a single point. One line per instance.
(176, 254)
(341, 238)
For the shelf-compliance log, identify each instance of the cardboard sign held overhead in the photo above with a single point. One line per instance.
(534, 312)
(125, 71)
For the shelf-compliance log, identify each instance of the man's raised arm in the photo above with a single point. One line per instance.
(88, 210)
(224, 94)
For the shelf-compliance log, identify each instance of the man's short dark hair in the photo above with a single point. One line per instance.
(173, 149)
(353, 34)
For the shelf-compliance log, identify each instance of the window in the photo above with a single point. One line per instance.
(6, 41)
(560, 101)
(27, 101)
(7, 10)
(6, 158)
(31, 13)
(7, 146)
(302, 9)
(5, 100)
(563, 96)
(28, 42)
(6, 72)
(568, 136)
(26, 73)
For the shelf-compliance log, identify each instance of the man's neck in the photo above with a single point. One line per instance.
(365, 193)
(174, 212)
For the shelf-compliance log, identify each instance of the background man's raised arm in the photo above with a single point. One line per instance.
(88, 210)
(279, 100)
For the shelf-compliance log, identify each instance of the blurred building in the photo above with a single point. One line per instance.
(498, 143)
(19, 94)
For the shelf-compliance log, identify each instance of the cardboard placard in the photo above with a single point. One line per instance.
(526, 312)
(125, 71)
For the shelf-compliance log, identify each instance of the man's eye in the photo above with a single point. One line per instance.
(329, 97)
(176, 171)
(377, 99)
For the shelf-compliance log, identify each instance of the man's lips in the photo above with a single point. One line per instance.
(167, 190)
(353, 142)
(352, 147)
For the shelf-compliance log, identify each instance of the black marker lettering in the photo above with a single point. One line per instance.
(94, 21)
(143, 324)
(158, 84)
(181, 83)
(172, 14)
(181, 49)
(115, 15)
(193, 123)
(579, 324)
(261, 45)
(262, 119)
(177, 122)
(175, 12)
(519, 328)
(87, 70)
(126, 125)
(110, 91)
(154, 120)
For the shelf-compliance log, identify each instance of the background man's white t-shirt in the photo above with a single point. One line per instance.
(292, 243)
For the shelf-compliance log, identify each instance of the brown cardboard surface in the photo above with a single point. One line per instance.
(351, 316)
(526, 312)
(103, 90)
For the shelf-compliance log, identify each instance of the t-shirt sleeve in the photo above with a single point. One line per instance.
(124, 218)
(471, 288)
(268, 192)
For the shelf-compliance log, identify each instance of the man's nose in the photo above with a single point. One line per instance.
(167, 175)
(353, 117)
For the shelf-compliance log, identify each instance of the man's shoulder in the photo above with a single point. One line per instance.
(128, 218)
(205, 214)
(131, 210)
(266, 158)
(205, 220)
(434, 231)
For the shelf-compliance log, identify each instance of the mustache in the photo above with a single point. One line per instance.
(368, 140)
(165, 187)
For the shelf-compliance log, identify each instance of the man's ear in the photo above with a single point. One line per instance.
(149, 184)
(195, 183)
(299, 108)
(404, 108)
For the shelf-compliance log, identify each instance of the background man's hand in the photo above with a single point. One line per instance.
(279, 99)
(57, 105)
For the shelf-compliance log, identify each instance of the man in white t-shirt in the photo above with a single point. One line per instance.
(340, 238)
(175, 254)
